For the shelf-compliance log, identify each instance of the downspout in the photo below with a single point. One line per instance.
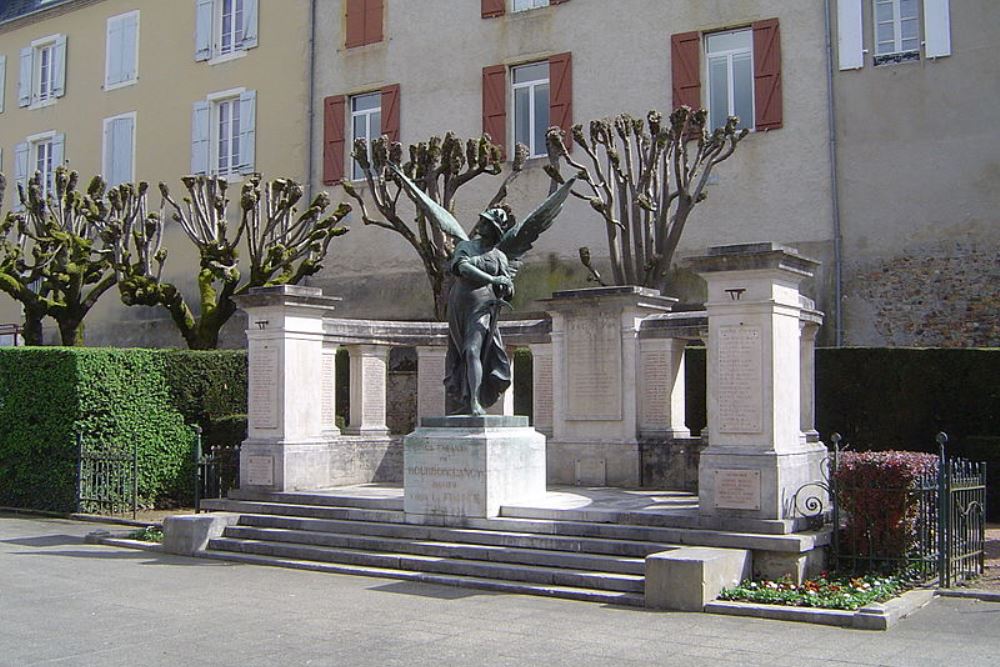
(838, 269)
(311, 105)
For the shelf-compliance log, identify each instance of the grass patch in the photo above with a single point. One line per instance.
(147, 534)
(825, 592)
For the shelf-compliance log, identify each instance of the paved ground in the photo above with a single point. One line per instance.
(63, 602)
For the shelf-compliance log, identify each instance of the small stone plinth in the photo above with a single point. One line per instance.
(464, 467)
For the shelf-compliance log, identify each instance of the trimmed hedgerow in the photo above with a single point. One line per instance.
(206, 386)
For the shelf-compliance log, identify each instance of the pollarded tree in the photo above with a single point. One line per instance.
(439, 167)
(282, 247)
(57, 253)
(644, 180)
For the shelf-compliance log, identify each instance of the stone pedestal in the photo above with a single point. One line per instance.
(290, 389)
(758, 456)
(596, 365)
(457, 468)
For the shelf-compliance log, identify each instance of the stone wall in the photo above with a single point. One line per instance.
(928, 297)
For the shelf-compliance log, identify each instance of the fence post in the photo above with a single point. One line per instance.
(944, 513)
(835, 438)
(79, 473)
(197, 468)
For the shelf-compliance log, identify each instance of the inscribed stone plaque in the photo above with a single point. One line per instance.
(591, 472)
(542, 392)
(655, 397)
(264, 388)
(260, 470)
(740, 381)
(430, 385)
(594, 375)
(737, 489)
(373, 373)
(327, 393)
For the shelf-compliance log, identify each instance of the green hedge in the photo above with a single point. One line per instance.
(113, 398)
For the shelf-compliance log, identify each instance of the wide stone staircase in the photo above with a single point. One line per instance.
(556, 554)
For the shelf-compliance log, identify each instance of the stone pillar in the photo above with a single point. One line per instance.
(369, 365)
(541, 380)
(328, 391)
(756, 460)
(661, 388)
(809, 329)
(505, 402)
(430, 381)
(286, 447)
(595, 366)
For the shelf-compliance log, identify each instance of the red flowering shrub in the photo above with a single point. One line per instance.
(876, 496)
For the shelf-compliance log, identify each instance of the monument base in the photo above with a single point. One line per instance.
(464, 467)
(761, 484)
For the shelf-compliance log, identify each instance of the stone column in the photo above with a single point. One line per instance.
(369, 364)
(541, 379)
(286, 446)
(756, 460)
(430, 381)
(661, 388)
(505, 402)
(809, 329)
(595, 366)
(328, 391)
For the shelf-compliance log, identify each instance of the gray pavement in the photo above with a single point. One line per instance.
(63, 602)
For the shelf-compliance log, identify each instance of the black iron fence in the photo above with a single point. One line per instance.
(217, 471)
(933, 527)
(107, 479)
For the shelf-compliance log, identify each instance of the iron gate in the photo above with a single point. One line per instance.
(217, 471)
(107, 479)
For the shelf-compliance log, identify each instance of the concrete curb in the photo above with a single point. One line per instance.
(105, 538)
(877, 616)
(982, 596)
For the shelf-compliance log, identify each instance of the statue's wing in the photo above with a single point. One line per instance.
(438, 214)
(519, 239)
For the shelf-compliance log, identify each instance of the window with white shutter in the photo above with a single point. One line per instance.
(121, 63)
(119, 149)
(223, 134)
(43, 72)
(224, 29)
(3, 79)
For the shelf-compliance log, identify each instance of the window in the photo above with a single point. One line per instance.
(122, 52)
(3, 79)
(43, 71)
(897, 31)
(40, 153)
(363, 22)
(524, 5)
(729, 58)
(119, 149)
(530, 89)
(223, 134)
(366, 123)
(224, 28)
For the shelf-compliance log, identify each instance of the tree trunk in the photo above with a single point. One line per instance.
(71, 331)
(32, 328)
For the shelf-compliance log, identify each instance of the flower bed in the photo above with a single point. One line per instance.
(826, 592)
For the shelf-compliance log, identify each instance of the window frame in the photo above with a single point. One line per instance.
(40, 46)
(215, 102)
(532, 5)
(367, 113)
(48, 177)
(219, 29)
(898, 54)
(105, 152)
(3, 82)
(532, 121)
(748, 123)
(107, 52)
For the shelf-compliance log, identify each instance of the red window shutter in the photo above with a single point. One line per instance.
(492, 8)
(495, 103)
(561, 94)
(390, 112)
(685, 69)
(767, 74)
(355, 23)
(373, 21)
(334, 111)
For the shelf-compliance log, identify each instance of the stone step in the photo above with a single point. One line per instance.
(321, 499)
(444, 549)
(523, 588)
(312, 511)
(498, 538)
(534, 574)
(659, 519)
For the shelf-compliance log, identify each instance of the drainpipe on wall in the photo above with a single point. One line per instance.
(311, 103)
(838, 273)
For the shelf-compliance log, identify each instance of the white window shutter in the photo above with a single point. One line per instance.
(249, 24)
(122, 130)
(248, 130)
(20, 170)
(130, 47)
(203, 29)
(199, 137)
(58, 151)
(850, 35)
(3, 79)
(937, 28)
(59, 62)
(24, 83)
(115, 53)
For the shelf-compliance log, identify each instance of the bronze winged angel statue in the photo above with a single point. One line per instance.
(477, 366)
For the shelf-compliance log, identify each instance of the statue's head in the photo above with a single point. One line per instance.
(495, 218)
